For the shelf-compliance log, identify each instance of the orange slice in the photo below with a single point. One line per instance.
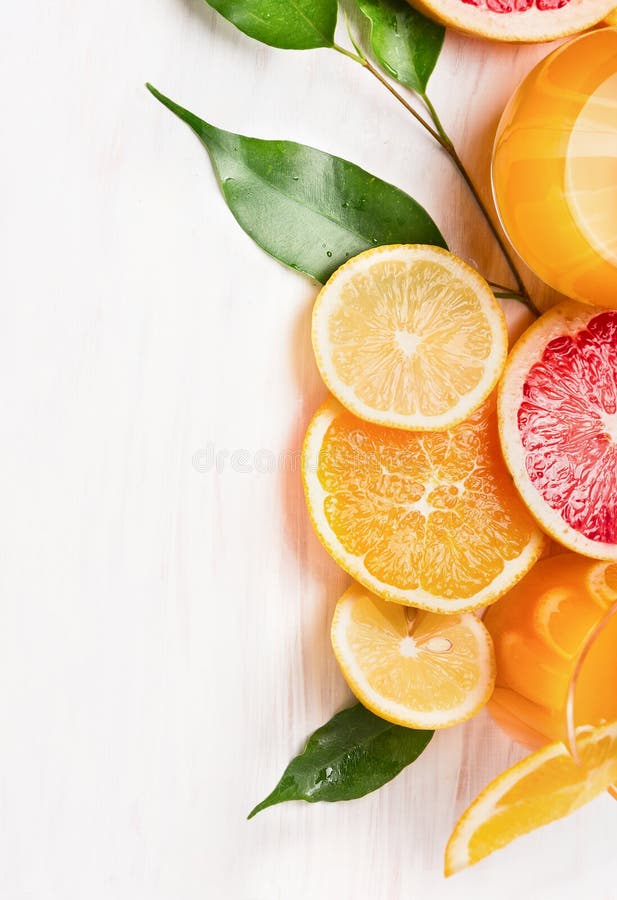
(427, 519)
(412, 667)
(541, 788)
(409, 336)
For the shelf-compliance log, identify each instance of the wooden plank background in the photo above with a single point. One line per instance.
(164, 625)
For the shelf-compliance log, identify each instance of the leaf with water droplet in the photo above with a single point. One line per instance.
(295, 221)
(353, 754)
(297, 25)
(404, 42)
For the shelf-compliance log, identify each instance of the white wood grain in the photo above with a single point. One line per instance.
(164, 630)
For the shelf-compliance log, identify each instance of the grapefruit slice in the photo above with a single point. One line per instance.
(558, 425)
(545, 786)
(411, 667)
(526, 21)
(427, 519)
(409, 336)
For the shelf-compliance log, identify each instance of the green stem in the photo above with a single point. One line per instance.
(377, 74)
(349, 54)
(442, 131)
(476, 195)
(414, 112)
(439, 134)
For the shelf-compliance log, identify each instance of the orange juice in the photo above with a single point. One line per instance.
(556, 638)
(554, 168)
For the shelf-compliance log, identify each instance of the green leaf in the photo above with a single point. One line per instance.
(310, 210)
(351, 755)
(290, 24)
(404, 42)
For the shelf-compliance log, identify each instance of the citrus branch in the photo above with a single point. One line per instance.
(489, 219)
(439, 134)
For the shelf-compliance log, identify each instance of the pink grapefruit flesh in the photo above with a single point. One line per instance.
(526, 21)
(508, 6)
(558, 425)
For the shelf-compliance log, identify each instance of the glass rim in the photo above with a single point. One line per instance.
(590, 640)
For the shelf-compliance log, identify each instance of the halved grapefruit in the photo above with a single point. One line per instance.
(558, 425)
(520, 21)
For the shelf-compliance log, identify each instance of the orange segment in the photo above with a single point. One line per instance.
(412, 667)
(409, 336)
(426, 519)
(541, 788)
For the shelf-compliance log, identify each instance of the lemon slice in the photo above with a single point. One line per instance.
(409, 336)
(541, 788)
(412, 667)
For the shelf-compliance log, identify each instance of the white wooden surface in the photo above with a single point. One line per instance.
(164, 629)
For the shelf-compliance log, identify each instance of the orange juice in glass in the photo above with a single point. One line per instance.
(555, 636)
(554, 168)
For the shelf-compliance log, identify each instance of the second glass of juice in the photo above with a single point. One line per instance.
(555, 636)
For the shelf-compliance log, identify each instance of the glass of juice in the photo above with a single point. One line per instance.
(554, 168)
(555, 636)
